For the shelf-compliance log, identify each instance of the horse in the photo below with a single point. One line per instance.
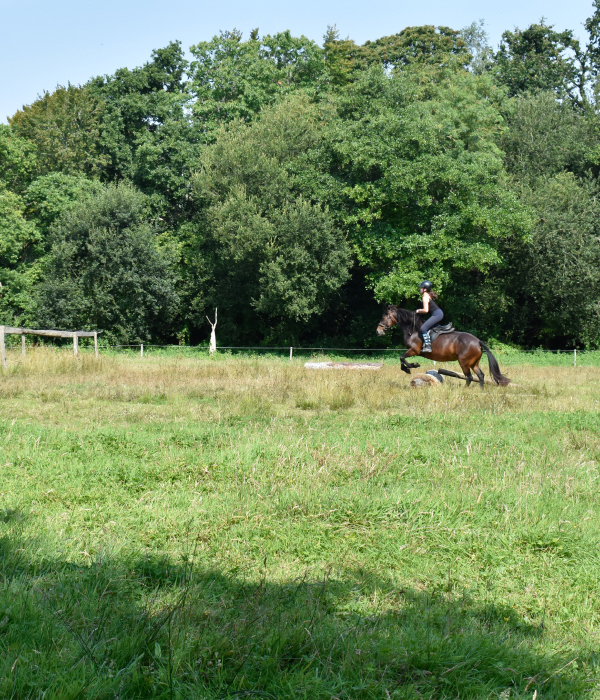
(447, 347)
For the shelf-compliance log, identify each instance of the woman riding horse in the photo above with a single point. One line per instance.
(429, 306)
(452, 346)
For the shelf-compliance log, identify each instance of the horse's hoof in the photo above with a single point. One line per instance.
(405, 369)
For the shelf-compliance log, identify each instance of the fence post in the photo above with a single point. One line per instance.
(96, 345)
(291, 351)
(3, 348)
(75, 344)
(575, 357)
(23, 344)
(142, 350)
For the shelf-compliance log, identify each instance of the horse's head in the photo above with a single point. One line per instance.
(387, 320)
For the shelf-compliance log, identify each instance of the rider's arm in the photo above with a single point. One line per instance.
(425, 309)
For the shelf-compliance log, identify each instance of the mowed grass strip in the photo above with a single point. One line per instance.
(216, 528)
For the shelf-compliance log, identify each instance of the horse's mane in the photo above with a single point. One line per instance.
(409, 318)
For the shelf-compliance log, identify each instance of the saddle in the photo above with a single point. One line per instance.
(439, 330)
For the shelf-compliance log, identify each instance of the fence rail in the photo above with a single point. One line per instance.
(75, 335)
(291, 349)
(10, 330)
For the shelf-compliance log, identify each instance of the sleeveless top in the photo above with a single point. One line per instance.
(432, 306)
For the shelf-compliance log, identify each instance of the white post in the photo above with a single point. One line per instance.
(213, 336)
(75, 344)
(3, 348)
(575, 357)
(23, 344)
(95, 345)
(291, 351)
(142, 350)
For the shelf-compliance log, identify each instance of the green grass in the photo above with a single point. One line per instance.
(220, 528)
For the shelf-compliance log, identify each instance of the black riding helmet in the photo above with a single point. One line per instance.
(426, 285)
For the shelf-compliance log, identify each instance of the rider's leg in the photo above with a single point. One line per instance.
(432, 321)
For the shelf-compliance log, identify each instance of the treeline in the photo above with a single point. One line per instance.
(297, 187)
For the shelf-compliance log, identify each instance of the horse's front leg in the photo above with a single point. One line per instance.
(407, 366)
(414, 348)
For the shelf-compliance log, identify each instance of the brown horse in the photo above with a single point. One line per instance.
(447, 347)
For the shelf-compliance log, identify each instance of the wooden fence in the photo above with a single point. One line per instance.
(8, 330)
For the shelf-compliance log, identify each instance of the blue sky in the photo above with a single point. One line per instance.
(44, 43)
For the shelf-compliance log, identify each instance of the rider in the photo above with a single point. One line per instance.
(429, 306)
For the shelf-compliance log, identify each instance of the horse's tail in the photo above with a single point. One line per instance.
(497, 376)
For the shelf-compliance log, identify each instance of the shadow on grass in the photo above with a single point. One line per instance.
(146, 628)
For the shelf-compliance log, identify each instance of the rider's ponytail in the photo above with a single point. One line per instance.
(433, 295)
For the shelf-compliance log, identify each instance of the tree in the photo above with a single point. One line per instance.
(477, 42)
(49, 196)
(106, 271)
(17, 237)
(558, 270)
(17, 160)
(545, 137)
(540, 58)
(412, 169)
(147, 136)
(343, 58)
(235, 79)
(429, 45)
(65, 127)
(277, 257)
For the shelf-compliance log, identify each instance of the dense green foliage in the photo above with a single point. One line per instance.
(104, 270)
(296, 186)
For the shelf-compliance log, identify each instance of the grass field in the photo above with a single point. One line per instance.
(186, 527)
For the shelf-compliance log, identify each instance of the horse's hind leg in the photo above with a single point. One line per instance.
(477, 369)
(466, 371)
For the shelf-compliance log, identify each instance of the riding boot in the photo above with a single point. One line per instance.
(426, 343)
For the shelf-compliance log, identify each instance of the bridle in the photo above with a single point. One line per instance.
(395, 322)
(387, 328)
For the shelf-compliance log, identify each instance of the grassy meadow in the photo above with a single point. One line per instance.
(185, 527)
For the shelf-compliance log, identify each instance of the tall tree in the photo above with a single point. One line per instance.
(17, 279)
(65, 127)
(277, 257)
(344, 59)
(146, 133)
(435, 46)
(413, 170)
(553, 278)
(235, 79)
(540, 58)
(546, 136)
(106, 271)
(478, 44)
